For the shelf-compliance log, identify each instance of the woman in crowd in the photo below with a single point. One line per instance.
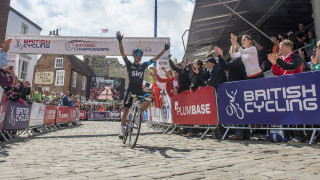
(168, 80)
(196, 80)
(248, 54)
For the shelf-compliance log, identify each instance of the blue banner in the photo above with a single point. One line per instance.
(17, 116)
(283, 100)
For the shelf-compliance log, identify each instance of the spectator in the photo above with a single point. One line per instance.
(315, 59)
(237, 72)
(37, 98)
(3, 53)
(235, 67)
(249, 56)
(45, 96)
(184, 75)
(262, 57)
(290, 63)
(6, 76)
(168, 80)
(302, 36)
(52, 95)
(312, 44)
(24, 89)
(214, 75)
(197, 80)
(275, 48)
(65, 100)
(303, 55)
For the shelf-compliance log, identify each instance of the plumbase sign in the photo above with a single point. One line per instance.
(283, 100)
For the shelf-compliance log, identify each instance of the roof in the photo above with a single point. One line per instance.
(25, 18)
(212, 22)
(80, 65)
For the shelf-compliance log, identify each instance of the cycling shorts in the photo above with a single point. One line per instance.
(135, 92)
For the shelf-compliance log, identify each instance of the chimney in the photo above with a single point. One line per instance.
(54, 32)
(50, 33)
(57, 30)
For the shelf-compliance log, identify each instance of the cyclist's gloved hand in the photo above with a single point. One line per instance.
(119, 37)
(167, 46)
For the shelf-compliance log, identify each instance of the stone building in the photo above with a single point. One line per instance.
(109, 67)
(61, 73)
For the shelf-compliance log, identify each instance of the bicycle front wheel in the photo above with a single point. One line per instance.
(135, 125)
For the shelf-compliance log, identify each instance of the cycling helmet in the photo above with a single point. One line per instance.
(137, 52)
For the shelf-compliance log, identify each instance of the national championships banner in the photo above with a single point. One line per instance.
(109, 46)
(283, 100)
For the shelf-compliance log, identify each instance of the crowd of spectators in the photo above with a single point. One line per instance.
(292, 53)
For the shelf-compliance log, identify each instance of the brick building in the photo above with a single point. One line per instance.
(61, 73)
(4, 12)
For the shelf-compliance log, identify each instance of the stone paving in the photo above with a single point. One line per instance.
(94, 151)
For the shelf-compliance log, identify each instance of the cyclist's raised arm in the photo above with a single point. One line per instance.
(166, 47)
(119, 37)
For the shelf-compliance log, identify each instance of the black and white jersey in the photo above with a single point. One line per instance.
(136, 73)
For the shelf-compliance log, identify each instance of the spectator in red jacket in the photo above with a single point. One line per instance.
(168, 80)
(289, 63)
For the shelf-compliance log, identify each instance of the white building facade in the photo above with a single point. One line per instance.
(19, 24)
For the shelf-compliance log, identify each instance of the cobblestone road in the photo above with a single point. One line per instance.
(94, 151)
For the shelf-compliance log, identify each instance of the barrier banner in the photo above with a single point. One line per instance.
(155, 114)
(166, 113)
(197, 108)
(113, 115)
(283, 100)
(17, 116)
(82, 114)
(50, 114)
(37, 114)
(3, 109)
(72, 114)
(101, 115)
(63, 114)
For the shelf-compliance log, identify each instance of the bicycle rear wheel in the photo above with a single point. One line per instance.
(135, 125)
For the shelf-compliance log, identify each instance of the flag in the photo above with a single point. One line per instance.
(104, 30)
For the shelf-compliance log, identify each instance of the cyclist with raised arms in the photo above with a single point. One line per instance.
(135, 72)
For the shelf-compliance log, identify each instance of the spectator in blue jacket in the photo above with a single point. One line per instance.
(3, 53)
(65, 100)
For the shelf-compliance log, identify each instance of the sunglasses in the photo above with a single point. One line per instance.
(138, 54)
(318, 47)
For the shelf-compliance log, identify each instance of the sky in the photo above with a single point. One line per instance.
(134, 18)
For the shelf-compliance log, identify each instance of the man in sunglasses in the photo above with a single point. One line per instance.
(135, 72)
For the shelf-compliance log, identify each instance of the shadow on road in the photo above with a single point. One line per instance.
(161, 150)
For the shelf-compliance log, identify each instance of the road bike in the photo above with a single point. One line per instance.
(133, 124)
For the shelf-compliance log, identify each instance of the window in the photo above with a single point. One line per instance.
(59, 63)
(84, 83)
(24, 29)
(74, 82)
(59, 77)
(24, 67)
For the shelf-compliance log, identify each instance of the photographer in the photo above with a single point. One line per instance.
(6, 76)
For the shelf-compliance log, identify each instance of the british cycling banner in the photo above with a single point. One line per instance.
(197, 108)
(50, 114)
(283, 100)
(17, 116)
